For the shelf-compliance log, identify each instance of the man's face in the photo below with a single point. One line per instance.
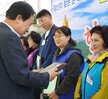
(45, 21)
(23, 26)
(31, 43)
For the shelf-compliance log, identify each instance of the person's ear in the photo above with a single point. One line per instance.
(68, 37)
(19, 18)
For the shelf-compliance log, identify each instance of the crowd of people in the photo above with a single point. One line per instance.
(22, 58)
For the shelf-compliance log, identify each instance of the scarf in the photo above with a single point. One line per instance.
(96, 55)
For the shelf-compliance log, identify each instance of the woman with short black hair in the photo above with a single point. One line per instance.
(33, 41)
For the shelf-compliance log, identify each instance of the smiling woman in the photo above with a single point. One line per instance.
(97, 43)
(66, 53)
(90, 86)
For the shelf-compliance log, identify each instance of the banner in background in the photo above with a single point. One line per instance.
(80, 16)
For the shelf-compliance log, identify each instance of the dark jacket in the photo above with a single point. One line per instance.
(72, 72)
(16, 79)
(47, 51)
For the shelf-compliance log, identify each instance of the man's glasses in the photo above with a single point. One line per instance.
(43, 20)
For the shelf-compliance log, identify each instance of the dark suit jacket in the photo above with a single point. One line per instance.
(16, 80)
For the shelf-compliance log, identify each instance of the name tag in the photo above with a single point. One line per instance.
(38, 62)
(89, 80)
(43, 42)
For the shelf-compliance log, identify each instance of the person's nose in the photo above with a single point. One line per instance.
(42, 24)
(93, 43)
(27, 30)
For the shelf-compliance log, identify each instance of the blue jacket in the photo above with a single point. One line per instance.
(47, 51)
(91, 78)
(64, 58)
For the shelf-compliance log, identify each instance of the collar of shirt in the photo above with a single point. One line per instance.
(12, 29)
(46, 34)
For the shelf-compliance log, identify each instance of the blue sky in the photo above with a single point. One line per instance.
(81, 14)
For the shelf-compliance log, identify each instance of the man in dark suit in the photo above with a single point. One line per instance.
(16, 80)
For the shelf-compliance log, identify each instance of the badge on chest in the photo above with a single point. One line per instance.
(89, 80)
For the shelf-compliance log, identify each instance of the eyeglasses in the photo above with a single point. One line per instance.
(43, 20)
(58, 36)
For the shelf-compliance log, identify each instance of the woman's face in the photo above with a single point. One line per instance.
(61, 40)
(31, 43)
(97, 42)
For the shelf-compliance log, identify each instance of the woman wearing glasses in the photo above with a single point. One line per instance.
(66, 53)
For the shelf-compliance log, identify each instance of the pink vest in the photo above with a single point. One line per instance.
(30, 57)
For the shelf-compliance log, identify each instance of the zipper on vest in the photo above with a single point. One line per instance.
(85, 81)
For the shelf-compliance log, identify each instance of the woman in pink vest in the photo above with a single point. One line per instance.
(33, 41)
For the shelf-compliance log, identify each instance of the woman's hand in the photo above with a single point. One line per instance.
(52, 95)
